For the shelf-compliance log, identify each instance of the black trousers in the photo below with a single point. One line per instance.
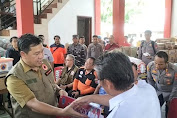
(166, 110)
(1, 98)
(70, 94)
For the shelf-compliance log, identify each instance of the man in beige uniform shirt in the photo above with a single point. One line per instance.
(31, 83)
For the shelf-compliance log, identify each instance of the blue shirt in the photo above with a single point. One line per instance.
(102, 91)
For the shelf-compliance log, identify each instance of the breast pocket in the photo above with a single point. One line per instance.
(143, 49)
(77, 51)
(93, 49)
(150, 50)
(33, 85)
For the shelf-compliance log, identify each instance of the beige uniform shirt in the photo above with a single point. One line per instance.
(19, 89)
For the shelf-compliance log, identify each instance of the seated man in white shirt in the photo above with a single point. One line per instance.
(125, 99)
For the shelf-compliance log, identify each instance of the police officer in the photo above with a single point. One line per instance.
(94, 49)
(82, 42)
(147, 49)
(163, 77)
(78, 51)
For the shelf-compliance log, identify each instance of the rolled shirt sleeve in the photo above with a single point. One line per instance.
(19, 90)
(149, 75)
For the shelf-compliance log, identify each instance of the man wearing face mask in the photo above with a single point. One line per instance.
(163, 77)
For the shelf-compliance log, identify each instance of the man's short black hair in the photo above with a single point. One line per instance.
(81, 37)
(27, 41)
(75, 36)
(14, 37)
(148, 31)
(95, 36)
(40, 35)
(56, 36)
(92, 58)
(162, 54)
(115, 67)
(133, 64)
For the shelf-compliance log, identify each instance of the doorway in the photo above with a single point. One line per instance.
(84, 28)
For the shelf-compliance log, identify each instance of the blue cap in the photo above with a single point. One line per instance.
(99, 37)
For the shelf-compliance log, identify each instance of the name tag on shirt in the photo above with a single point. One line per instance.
(48, 72)
(31, 81)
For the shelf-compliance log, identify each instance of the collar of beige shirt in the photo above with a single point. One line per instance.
(26, 67)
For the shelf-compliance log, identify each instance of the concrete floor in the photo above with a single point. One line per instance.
(4, 114)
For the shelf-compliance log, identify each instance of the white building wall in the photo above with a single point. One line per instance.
(174, 20)
(64, 23)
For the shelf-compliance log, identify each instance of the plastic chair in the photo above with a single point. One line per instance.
(58, 72)
(172, 112)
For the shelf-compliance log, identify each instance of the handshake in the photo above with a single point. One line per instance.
(89, 110)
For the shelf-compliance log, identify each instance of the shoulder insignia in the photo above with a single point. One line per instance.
(154, 71)
(44, 67)
(48, 72)
(175, 76)
(72, 73)
(147, 68)
(154, 79)
(168, 82)
(168, 74)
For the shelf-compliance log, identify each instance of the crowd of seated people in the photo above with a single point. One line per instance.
(79, 77)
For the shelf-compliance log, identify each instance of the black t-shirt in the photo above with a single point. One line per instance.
(12, 53)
